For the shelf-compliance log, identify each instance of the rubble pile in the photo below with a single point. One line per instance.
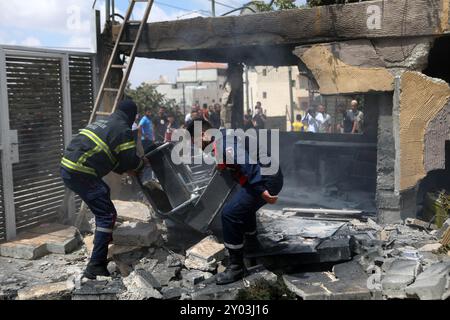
(340, 258)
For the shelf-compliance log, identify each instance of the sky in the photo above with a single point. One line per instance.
(68, 25)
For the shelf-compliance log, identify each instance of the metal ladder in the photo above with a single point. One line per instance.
(115, 56)
(127, 70)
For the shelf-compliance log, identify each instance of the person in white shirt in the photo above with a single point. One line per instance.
(310, 120)
(323, 120)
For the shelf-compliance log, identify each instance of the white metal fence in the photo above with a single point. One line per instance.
(45, 96)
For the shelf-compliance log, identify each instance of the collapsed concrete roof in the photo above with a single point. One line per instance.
(269, 38)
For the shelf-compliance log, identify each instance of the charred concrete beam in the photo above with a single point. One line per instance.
(236, 99)
(269, 38)
(346, 67)
(424, 102)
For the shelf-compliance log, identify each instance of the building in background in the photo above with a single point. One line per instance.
(201, 83)
(270, 86)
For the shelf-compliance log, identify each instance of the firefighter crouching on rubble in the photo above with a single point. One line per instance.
(239, 213)
(103, 146)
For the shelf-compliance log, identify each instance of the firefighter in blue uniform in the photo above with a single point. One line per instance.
(103, 146)
(239, 213)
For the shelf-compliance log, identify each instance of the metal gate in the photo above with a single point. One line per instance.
(36, 123)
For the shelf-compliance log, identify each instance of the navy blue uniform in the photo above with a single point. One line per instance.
(239, 213)
(103, 146)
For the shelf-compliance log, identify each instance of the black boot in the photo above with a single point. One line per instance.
(95, 269)
(235, 270)
(252, 246)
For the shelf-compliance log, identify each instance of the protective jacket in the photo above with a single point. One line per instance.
(103, 146)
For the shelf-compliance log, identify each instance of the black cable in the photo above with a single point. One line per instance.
(247, 6)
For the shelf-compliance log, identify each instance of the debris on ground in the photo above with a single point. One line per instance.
(303, 257)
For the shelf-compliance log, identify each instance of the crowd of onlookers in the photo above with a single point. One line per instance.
(317, 120)
(160, 127)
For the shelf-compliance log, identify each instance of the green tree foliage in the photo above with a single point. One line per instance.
(277, 5)
(315, 3)
(146, 96)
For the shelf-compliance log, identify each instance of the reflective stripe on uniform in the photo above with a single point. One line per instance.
(88, 154)
(77, 167)
(99, 142)
(125, 146)
(234, 246)
(250, 233)
(104, 230)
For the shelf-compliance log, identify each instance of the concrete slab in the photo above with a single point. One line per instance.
(44, 239)
(348, 281)
(48, 291)
(399, 275)
(431, 284)
(136, 234)
(26, 247)
(132, 211)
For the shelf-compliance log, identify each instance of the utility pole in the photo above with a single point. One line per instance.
(291, 95)
(246, 89)
(213, 7)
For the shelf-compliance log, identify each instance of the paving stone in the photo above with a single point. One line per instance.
(432, 284)
(48, 291)
(208, 250)
(132, 211)
(136, 234)
(209, 290)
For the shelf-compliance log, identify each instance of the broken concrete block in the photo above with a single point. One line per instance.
(430, 247)
(205, 255)
(209, 290)
(24, 248)
(411, 222)
(132, 211)
(59, 238)
(208, 249)
(139, 287)
(99, 290)
(348, 281)
(194, 277)
(172, 293)
(117, 252)
(164, 274)
(400, 274)
(431, 284)
(48, 291)
(136, 234)
(39, 241)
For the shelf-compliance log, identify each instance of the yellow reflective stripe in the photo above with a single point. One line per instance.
(125, 146)
(99, 143)
(77, 167)
(88, 154)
